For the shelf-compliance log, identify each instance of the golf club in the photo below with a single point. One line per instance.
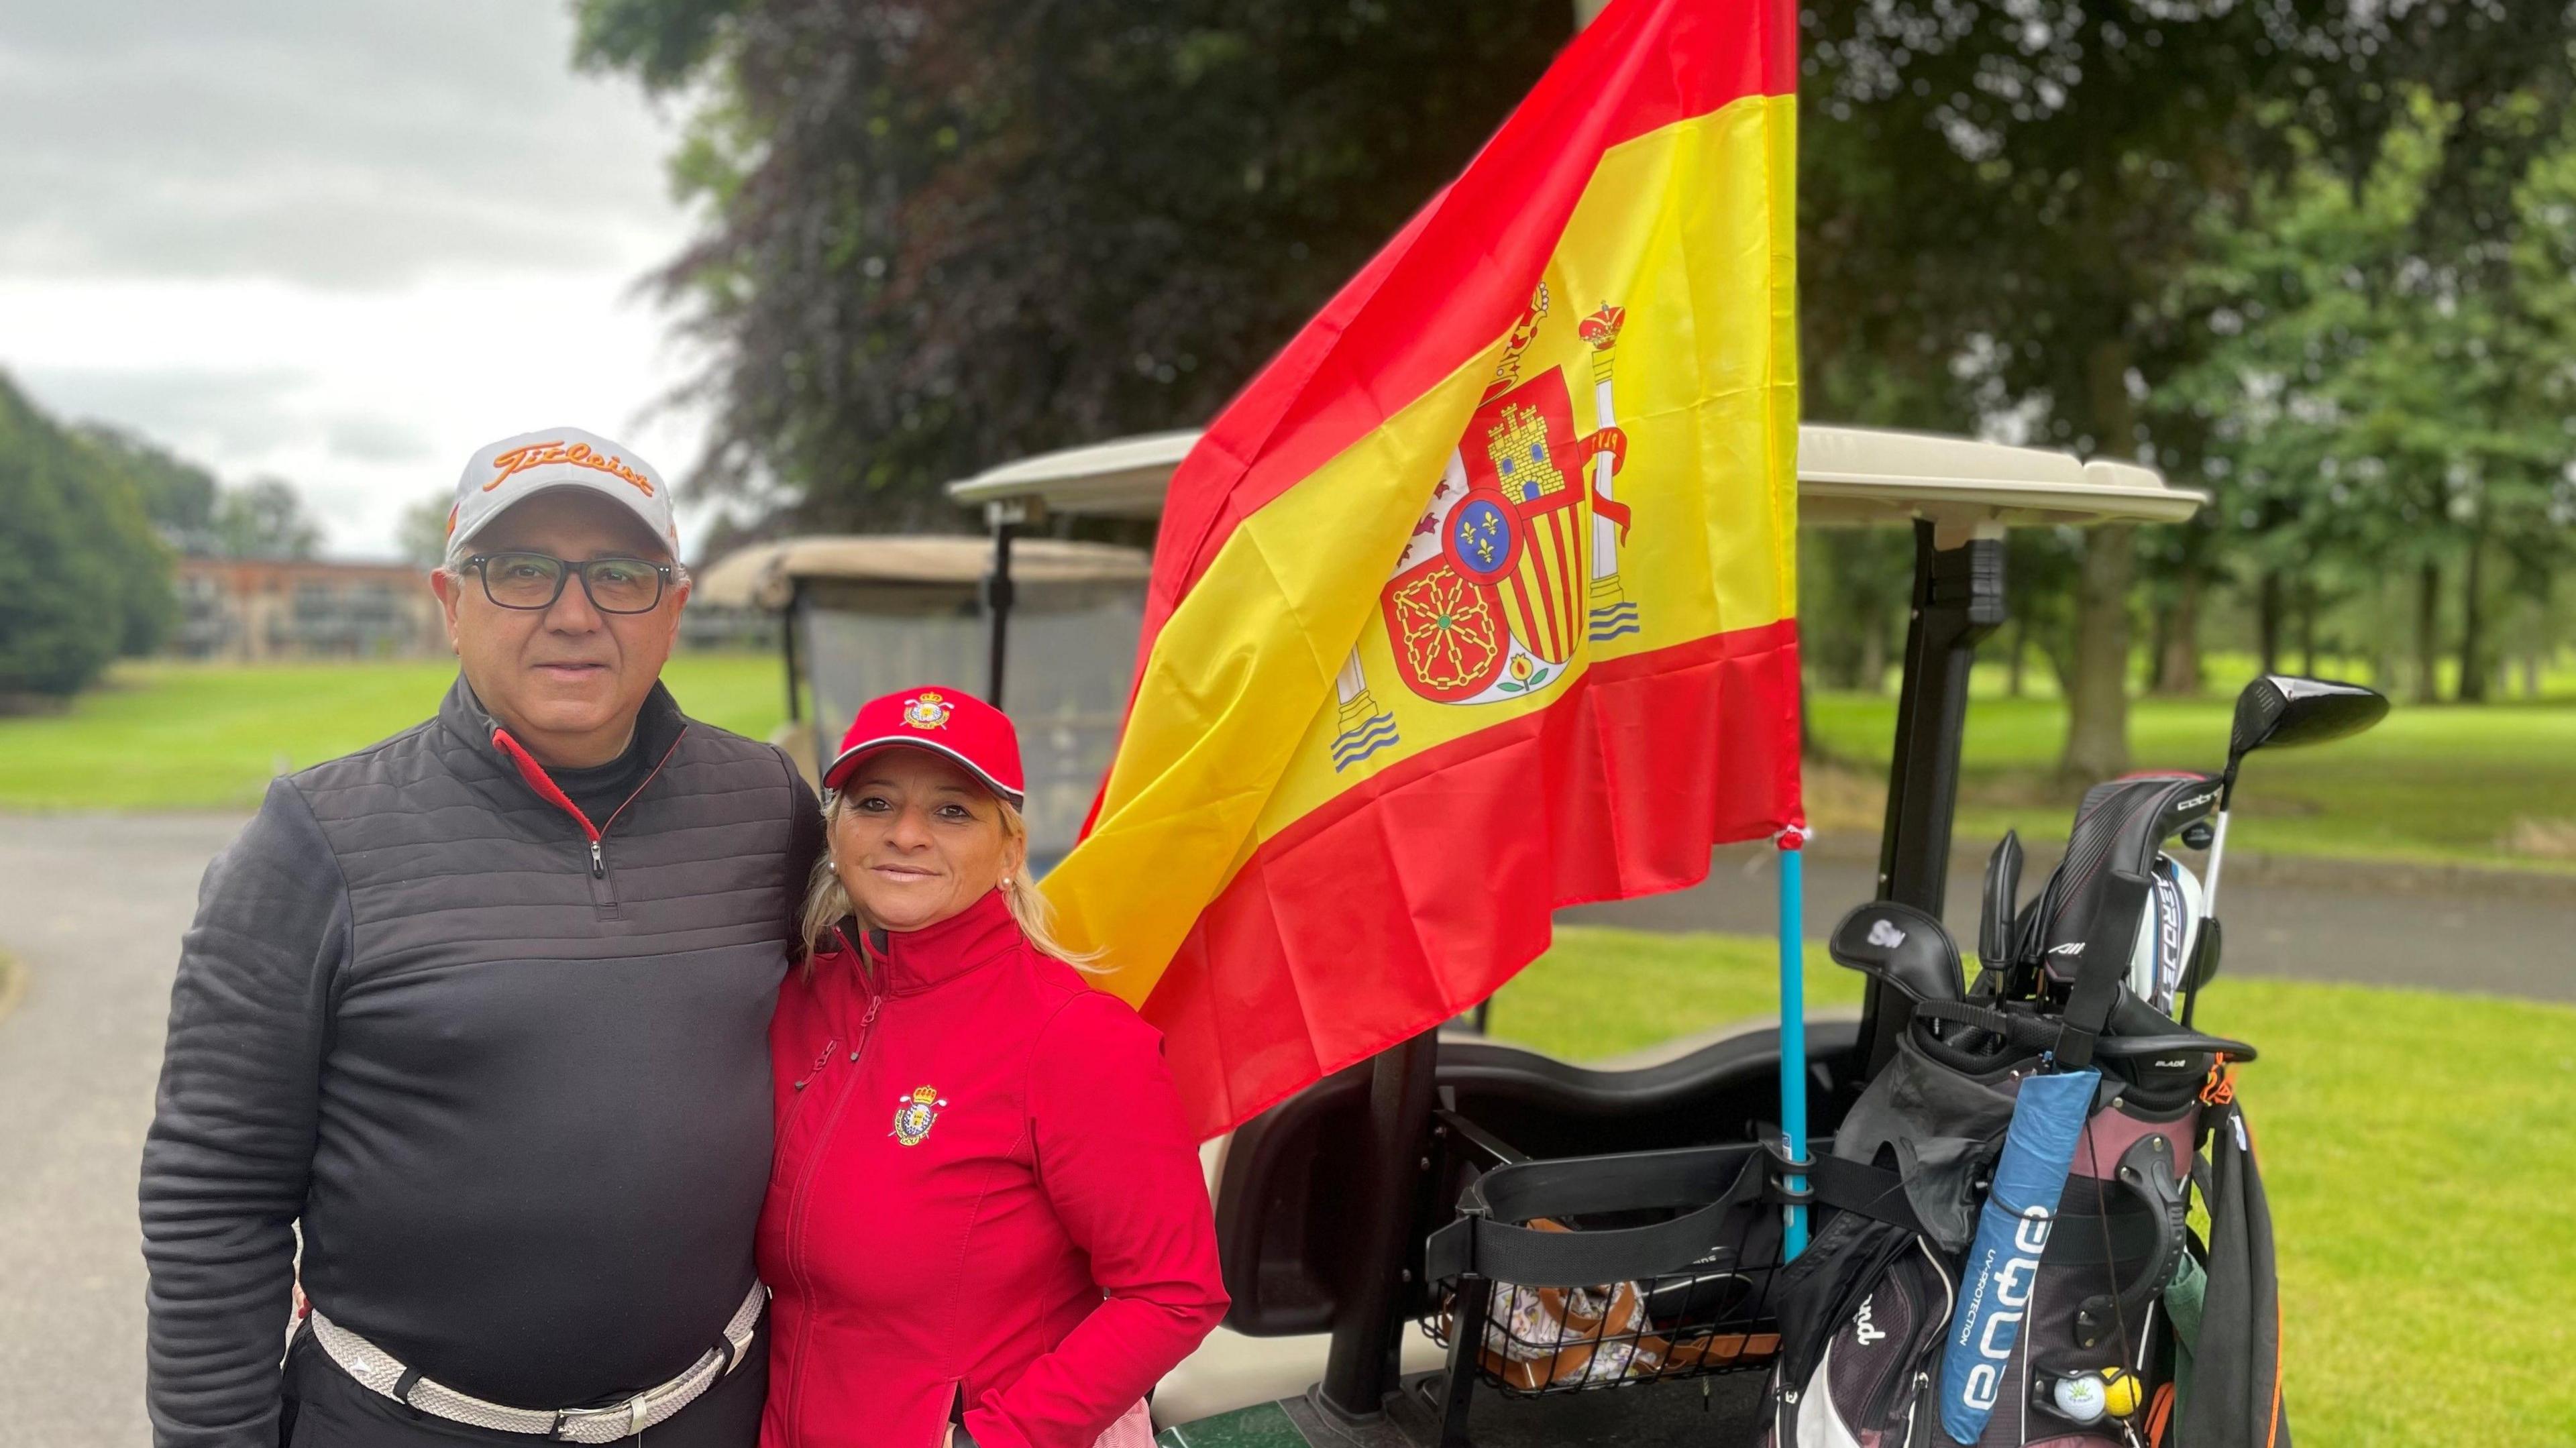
(1900, 945)
(2283, 711)
(2003, 890)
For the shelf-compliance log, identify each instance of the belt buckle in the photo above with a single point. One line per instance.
(633, 1410)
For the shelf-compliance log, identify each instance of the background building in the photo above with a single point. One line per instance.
(252, 609)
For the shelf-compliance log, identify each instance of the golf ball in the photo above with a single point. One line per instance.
(2080, 1399)
(2121, 1393)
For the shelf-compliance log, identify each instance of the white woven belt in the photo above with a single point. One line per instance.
(378, 1370)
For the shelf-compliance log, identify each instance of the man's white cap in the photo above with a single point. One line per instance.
(516, 468)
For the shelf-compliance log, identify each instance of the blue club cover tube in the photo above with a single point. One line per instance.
(2012, 1230)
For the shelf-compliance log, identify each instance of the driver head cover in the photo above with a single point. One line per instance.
(505, 473)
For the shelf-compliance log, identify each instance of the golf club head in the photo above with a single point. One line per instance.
(2003, 889)
(1902, 946)
(2279, 711)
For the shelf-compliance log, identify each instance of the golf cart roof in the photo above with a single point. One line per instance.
(1846, 475)
(765, 575)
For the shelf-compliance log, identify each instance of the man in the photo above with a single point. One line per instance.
(483, 1010)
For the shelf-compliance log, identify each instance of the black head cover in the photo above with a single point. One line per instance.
(2121, 825)
(2002, 893)
(1902, 946)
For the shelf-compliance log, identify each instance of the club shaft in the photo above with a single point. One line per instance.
(2209, 874)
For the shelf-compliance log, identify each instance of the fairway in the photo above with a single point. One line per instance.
(2442, 783)
(191, 736)
(2418, 1149)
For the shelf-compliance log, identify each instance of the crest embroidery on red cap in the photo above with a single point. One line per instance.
(927, 710)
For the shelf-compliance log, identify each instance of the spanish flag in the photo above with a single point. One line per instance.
(1479, 601)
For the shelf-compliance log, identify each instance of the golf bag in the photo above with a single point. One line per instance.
(1894, 1331)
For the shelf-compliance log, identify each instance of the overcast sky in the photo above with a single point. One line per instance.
(338, 241)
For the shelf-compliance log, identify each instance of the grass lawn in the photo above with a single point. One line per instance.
(2486, 786)
(2419, 1150)
(190, 736)
(2443, 784)
(2492, 785)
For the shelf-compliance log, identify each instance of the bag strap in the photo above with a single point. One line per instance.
(1872, 1192)
(2102, 969)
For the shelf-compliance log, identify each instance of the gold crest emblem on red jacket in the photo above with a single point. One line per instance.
(916, 1113)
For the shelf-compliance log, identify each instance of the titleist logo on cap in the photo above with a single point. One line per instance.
(537, 454)
(553, 459)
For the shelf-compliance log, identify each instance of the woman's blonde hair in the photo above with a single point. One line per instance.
(828, 902)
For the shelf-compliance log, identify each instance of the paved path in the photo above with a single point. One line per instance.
(94, 908)
(2373, 924)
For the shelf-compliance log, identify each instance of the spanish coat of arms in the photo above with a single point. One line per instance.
(1516, 561)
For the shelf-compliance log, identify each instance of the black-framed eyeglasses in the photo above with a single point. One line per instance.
(536, 580)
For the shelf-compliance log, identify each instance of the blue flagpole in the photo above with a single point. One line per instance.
(1793, 1023)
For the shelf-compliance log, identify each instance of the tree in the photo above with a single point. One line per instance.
(2391, 392)
(82, 576)
(178, 495)
(264, 518)
(2032, 179)
(944, 236)
(421, 533)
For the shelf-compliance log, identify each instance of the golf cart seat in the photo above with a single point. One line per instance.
(1288, 1199)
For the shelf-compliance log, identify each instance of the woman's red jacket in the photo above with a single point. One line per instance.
(983, 1193)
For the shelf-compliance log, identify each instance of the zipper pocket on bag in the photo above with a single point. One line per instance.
(1931, 1323)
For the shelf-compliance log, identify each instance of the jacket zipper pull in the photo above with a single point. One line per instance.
(820, 1061)
(865, 1022)
(598, 865)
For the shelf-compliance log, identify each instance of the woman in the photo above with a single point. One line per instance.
(986, 1224)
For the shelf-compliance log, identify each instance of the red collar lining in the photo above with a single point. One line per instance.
(542, 782)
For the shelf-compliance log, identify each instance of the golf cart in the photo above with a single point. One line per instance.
(1384, 1195)
(862, 615)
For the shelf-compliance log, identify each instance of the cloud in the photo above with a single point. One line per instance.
(364, 401)
(318, 141)
(375, 438)
(200, 411)
(343, 244)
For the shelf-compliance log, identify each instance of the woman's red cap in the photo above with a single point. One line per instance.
(944, 721)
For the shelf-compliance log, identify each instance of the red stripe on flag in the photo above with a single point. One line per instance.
(1459, 274)
(1416, 894)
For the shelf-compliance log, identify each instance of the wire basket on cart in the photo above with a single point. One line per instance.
(1592, 1273)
